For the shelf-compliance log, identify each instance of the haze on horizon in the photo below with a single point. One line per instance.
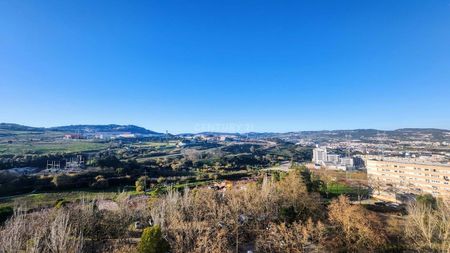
(192, 66)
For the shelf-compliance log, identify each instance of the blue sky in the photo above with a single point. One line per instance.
(230, 65)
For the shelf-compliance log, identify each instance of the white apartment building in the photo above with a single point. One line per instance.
(392, 178)
(333, 158)
(346, 161)
(319, 155)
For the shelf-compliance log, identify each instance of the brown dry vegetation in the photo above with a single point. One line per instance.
(204, 220)
(78, 227)
(47, 231)
(358, 228)
(271, 216)
(428, 227)
(295, 237)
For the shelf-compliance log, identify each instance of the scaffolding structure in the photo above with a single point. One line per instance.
(53, 165)
(75, 163)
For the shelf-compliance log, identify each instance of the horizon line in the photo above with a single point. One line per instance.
(232, 132)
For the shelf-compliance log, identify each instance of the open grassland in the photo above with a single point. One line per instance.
(51, 147)
(48, 199)
(169, 144)
(21, 136)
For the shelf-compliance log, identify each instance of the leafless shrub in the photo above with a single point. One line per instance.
(105, 227)
(293, 238)
(292, 192)
(214, 240)
(202, 219)
(125, 248)
(63, 237)
(13, 233)
(355, 228)
(44, 231)
(428, 228)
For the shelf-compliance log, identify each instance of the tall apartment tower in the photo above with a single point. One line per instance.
(319, 155)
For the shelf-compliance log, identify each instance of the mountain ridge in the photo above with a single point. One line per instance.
(89, 128)
(80, 128)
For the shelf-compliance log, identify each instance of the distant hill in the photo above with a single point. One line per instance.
(425, 134)
(17, 127)
(82, 129)
(104, 129)
(430, 134)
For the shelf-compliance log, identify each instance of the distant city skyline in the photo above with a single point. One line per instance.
(226, 66)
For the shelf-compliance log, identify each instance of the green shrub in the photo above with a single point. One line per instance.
(61, 203)
(160, 180)
(141, 183)
(288, 214)
(100, 183)
(62, 181)
(120, 171)
(152, 241)
(427, 200)
(5, 213)
(157, 191)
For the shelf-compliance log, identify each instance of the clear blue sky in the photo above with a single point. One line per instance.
(226, 65)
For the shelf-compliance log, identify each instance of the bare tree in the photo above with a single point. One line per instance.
(428, 228)
(291, 238)
(202, 219)
(355, 228)
(44, 231)
(63, 237)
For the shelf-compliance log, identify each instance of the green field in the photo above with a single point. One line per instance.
(340, 188)
(53, 147)
(169, 144)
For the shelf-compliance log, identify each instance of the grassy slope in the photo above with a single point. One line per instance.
(51, 147)
(47, 199)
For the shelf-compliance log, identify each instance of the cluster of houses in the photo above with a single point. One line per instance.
(101, 136)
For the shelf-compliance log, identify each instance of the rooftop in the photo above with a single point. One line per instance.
(408, 160)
